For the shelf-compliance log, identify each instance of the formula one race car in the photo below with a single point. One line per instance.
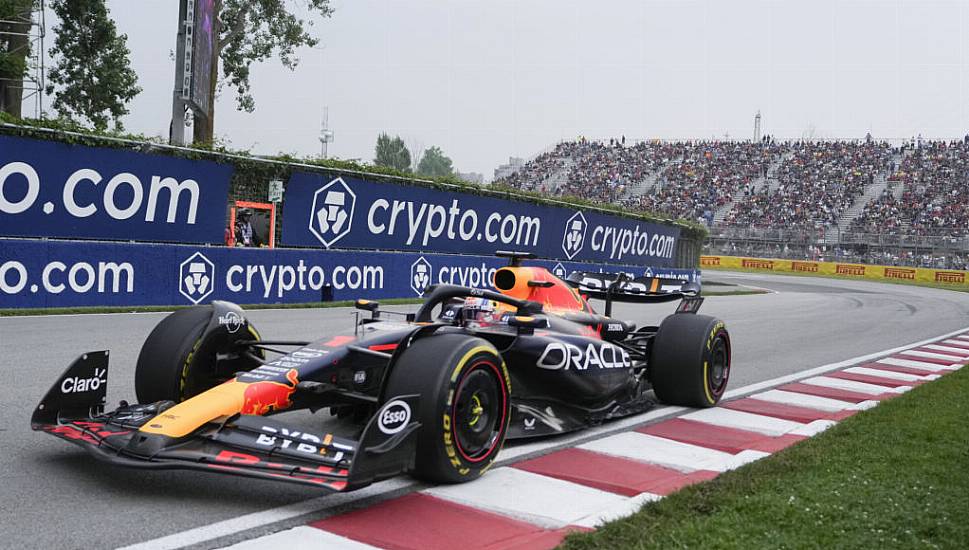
(434, 394)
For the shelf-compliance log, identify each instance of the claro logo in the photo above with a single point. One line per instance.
(123, 196)
(74, 384)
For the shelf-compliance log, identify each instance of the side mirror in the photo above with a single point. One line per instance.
(527, 324)
(368, 305)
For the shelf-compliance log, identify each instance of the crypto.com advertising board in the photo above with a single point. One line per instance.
(38, 274)
(351, 213)
(51, 189)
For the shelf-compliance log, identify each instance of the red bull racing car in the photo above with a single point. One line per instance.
(434, 393)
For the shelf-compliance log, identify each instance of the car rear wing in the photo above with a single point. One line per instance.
(623, 288)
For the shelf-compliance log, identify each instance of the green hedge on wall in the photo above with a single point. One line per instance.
(252, 174)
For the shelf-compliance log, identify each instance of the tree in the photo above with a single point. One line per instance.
(392, 153)
(435, 164)
(253, 31)
(92, 78)
(14, 48)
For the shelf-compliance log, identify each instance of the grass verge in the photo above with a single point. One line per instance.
(896, 476)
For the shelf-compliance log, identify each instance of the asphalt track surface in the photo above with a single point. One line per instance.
(53, 495)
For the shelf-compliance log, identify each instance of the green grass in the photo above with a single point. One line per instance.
(896, 476)
(150, 309)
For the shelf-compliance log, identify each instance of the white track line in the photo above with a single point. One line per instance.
(228, 527)
(672, 454)
(627, 508)
(961, 352)
(741, 420)
(811, 401)
(537, 499)
(851, 385)
(958, 343)
(922, 365)
(927, 354)
(900, 376)
(301, 538)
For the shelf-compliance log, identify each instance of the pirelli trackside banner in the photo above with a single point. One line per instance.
(38, 274)
(351, 213)
(52, 189)
(861, 271)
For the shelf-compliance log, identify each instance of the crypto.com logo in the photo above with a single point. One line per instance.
(196, 278)
(332, 212)
(560, 271)
(574, 236)
(420, 275)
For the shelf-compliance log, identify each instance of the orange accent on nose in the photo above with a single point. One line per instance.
(339, 341)
(383, 347)
(223, 401)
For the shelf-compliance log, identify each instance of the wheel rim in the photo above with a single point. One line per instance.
(719, 370)
(478, 412)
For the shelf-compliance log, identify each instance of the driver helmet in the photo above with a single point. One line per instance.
(479, 309)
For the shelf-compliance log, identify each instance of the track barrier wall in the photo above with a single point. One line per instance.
(92, 221)
(53, 273)
(349, 212)
(841, 269)
(50, 189)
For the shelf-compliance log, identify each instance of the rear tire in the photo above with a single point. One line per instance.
(465, 404)
(690, 360)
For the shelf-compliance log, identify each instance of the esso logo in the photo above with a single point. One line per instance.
(394, 417)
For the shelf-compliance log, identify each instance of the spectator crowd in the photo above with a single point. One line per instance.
(792, 185)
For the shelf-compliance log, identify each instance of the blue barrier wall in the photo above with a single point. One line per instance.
(52, 189)
(37, 273)
(348, 212)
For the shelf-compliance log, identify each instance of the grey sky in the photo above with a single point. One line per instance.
(489, 79)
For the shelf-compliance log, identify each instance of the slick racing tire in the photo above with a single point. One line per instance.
(179, 361)
(464, 407)
(690, 360)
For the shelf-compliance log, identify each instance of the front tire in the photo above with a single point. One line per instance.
(180, 359)
(690, 360)
(465, 401)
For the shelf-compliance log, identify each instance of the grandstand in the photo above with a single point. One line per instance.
(861, 200)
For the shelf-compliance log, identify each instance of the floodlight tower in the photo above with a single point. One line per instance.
(757, 126)
(326, 135)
